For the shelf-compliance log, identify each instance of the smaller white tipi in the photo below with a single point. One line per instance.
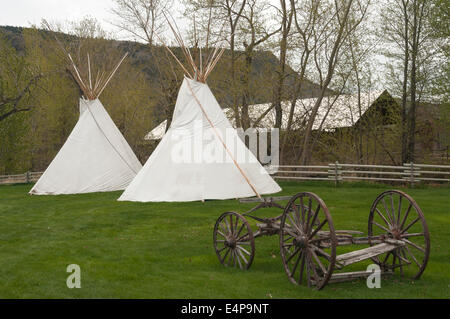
(201, 156)
(96, 157)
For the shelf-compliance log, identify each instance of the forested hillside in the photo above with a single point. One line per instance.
(136, 98)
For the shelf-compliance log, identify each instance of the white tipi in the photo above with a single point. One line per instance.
(96, 157)
(201, 156)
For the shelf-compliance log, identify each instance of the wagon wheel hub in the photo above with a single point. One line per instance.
(230, 242)
(396, 233)
(301, 241)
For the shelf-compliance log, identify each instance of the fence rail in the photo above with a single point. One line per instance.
(409, 173)
(28, 177)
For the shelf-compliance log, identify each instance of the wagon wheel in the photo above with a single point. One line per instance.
(308, 249)
(233, 241)
(395, 214)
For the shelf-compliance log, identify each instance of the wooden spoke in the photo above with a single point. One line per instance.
(313, 268)
(318, 228)
(387, 211)
(401, 255)
(407, 235)
(316, 213)
(308, 275)
(296, 214)
(242, 255)
(223, 228)
(236, 251)
(242, 237)
(318, 261)
(399, 212)
(302, 266)
(225, 256)
(411, 224)
(236, 227)
(382, 227)
(414, 245)
(230, 226)
(221, 234)
(288, 237)
(402, 259)
(296, 226)
(406, 215)
(233, 260)
(411, 219)
(300, 249)
(244, 250)
(297, 250)
(302, 208)
(412, 257)
(240, 230)
(309, 216)
(387, 257)
(243, 243)
(394, 259)
(392, 210)
(382, 217)
(228, 229)
(297, 262)
(222, 249)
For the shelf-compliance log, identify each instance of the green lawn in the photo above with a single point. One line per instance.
(164, 250)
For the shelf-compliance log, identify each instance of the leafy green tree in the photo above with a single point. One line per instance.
(18, 79)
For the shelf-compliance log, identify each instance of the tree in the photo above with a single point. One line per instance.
(144, 19)
(306, 17)
(18, 80)
(141, 18)
(228, 16)
(286, 13)
(340, 19)
(406, 29)
(255, 33)
(440, 32)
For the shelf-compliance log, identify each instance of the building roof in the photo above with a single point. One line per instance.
(337, 110)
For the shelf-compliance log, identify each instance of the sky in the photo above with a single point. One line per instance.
(25, 13)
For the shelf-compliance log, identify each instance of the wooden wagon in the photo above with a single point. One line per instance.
(397, 239)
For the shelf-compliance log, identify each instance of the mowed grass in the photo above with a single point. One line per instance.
(164, 250)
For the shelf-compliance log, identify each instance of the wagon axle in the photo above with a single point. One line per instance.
(398, 238)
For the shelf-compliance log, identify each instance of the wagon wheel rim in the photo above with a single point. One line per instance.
(233, 241)
(308, 249)
(395, 214)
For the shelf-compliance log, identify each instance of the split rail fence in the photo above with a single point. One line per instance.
(409, 173)
(28, 177)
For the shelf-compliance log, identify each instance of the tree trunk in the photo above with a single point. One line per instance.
(404, 124)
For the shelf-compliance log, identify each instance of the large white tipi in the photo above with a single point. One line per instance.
(96, 157)
(201, 156)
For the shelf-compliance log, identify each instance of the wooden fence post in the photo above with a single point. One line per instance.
(412, 174)
(28, 177)
(336, 180)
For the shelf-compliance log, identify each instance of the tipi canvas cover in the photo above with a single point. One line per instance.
(95, 157)
(201, 130)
